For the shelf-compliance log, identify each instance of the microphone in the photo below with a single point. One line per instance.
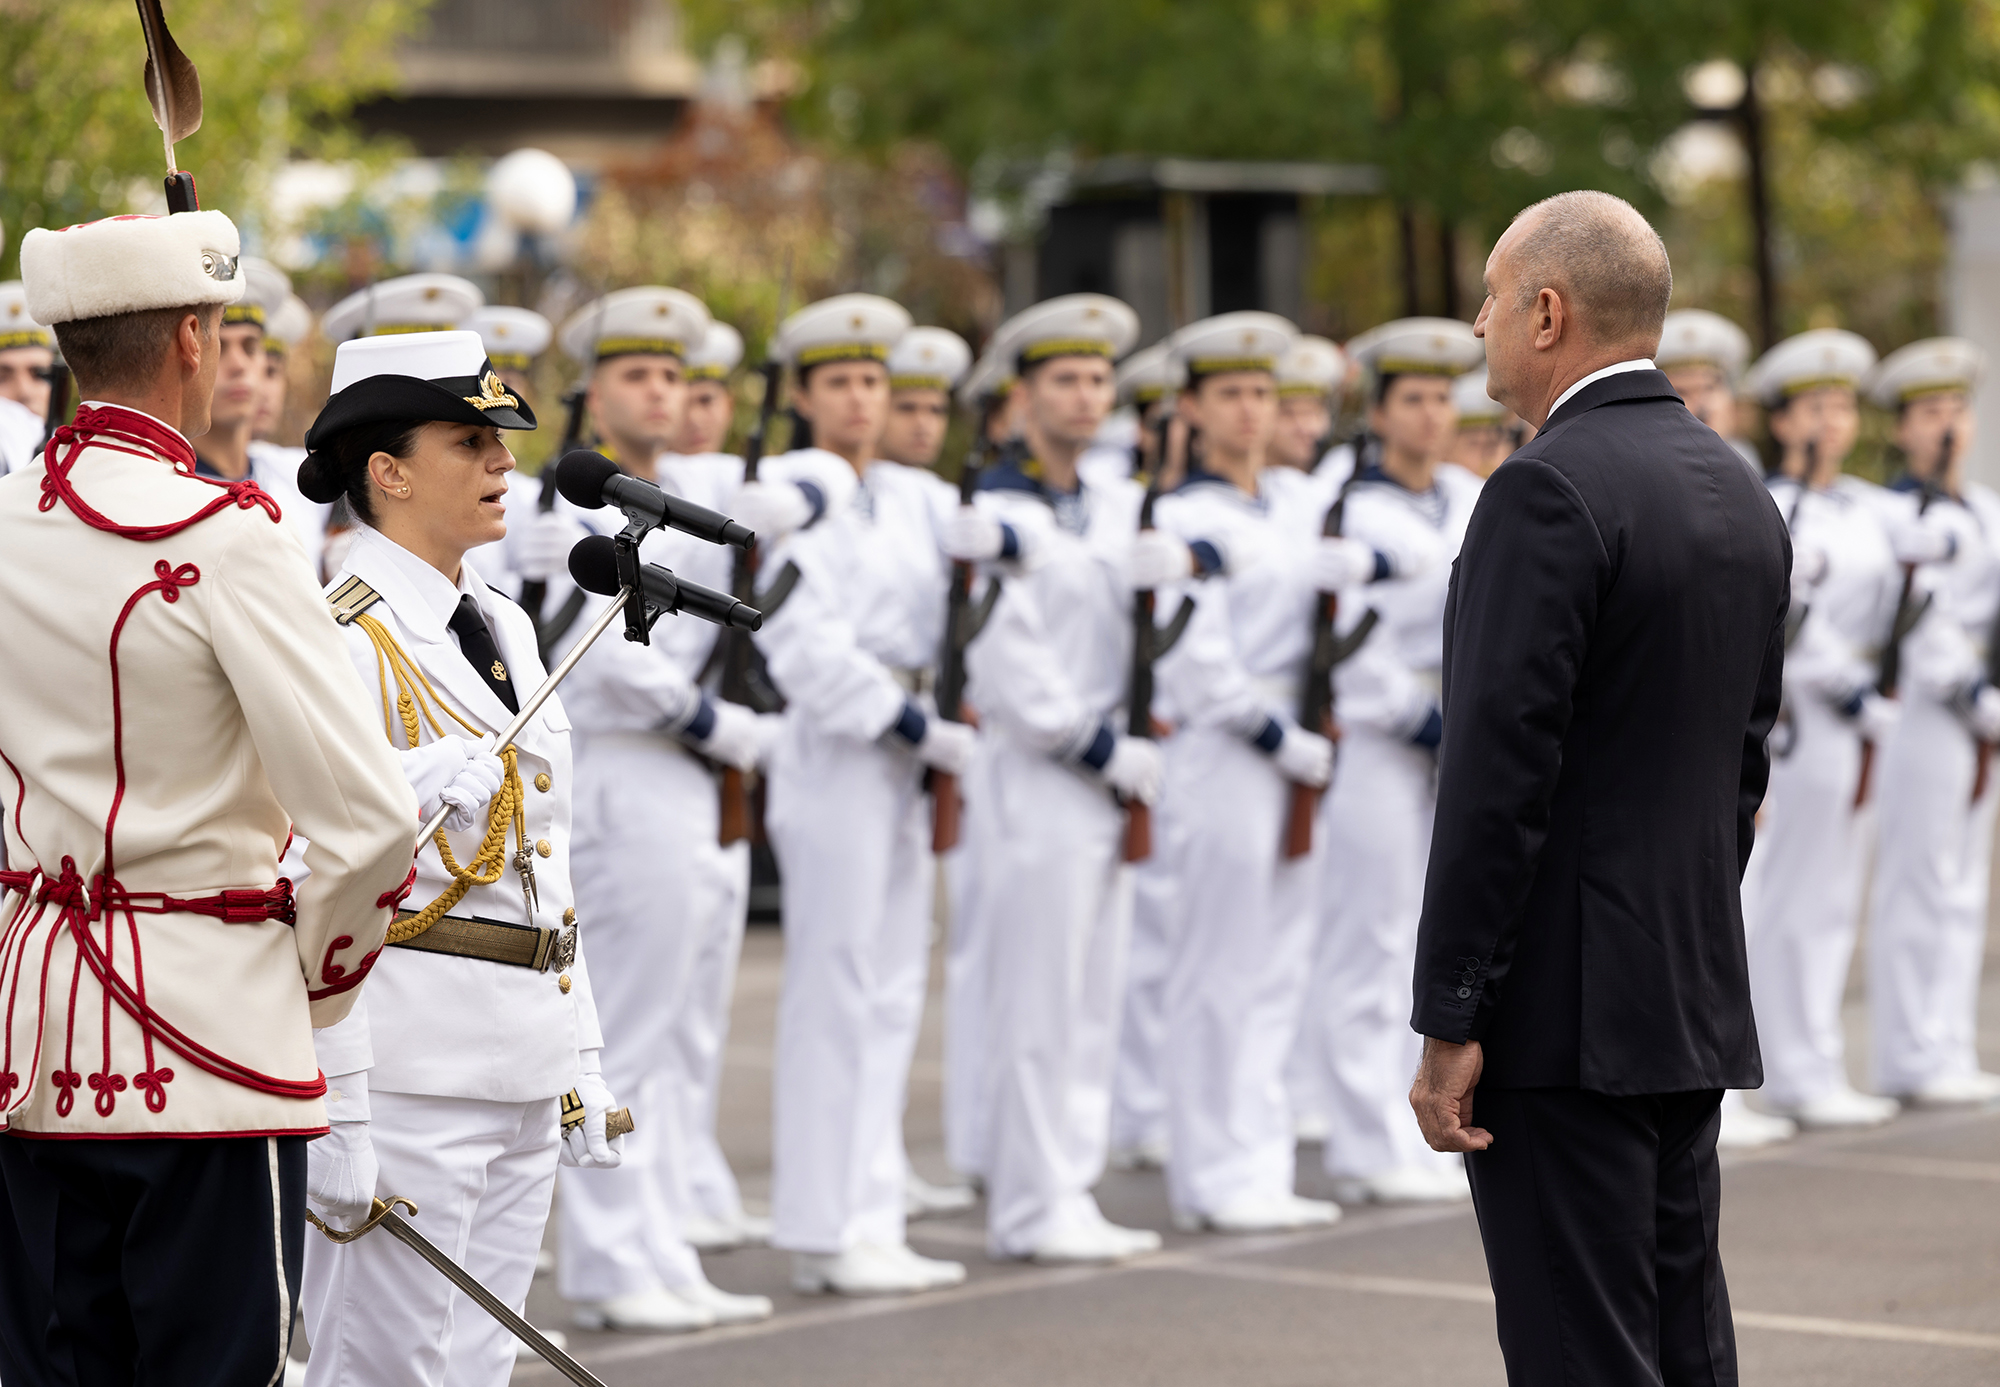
(590, 480)
(594, 565)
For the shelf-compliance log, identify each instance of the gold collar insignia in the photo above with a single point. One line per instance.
(492, 394)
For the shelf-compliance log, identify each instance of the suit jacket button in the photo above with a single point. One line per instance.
(544, 847)
(1464, 992)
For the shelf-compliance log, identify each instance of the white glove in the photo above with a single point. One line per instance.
(1917, 542)
(341, 1174)
(1986, 714)
(947, 746)
(1878, 717)
(1158, 559)
(545, 547)
(972, 535)
(453, 771)
(1135, 769)
(1338, 562)
(1808, 568)
(1304, 758)
(740, 737)
(772, 509)
(587, 1145)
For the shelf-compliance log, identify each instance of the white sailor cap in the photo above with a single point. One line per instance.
(846, 327)
(650, 320)
(1419, 347)
(1823, 357)
(442, 376)
(1934, 366)
(408, 303)
(265, 289)
(720, 352)
(18, 327)
(1697, 337)
(1245, 341)
(130, 264)
(1314, 366)
(928, 358)
(1474, 405)
(1150, 374)
(288, 326)
(990, 378)
(513, 336)
(1072, 325)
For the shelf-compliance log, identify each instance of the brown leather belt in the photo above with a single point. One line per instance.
(523, 946)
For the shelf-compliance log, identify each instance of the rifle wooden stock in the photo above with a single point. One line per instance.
(1985, 766)
(732, 807)
(946, 811)
(1299, 816)
(1861, 781)
(1138, 831)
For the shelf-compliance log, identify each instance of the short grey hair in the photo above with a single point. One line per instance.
(1603, 258)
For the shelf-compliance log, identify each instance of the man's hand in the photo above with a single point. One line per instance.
(1442, 1095)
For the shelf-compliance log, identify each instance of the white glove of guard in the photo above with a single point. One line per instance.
(947, 746)
(1878, 717)
(1808, 568)
(1304, 758)
(545, 547)
(453, 771)
(341, 1174)
(772, 509)
(587, 1145)
(1986, 714)
(1135, 770)
(740, 737)
(1158, 559)
(1338, 562)
(1918, 542)
(971, 535)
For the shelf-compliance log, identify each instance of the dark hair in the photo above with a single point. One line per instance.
(123, 350)
(802, 430)
(339, 467)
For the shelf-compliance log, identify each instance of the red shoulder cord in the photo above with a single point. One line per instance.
(128, 431)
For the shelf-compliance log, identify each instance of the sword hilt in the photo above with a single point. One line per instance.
(379, 1211)
(617, 1122)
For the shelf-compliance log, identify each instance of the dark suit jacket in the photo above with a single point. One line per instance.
(1613, 644)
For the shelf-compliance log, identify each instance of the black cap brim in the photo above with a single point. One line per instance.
(451, 400)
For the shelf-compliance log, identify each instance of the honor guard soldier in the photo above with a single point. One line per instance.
(27, 355)
(174, 703)
(1704, 355)
(1933, 866)
(925, 367)
(647, 742)
(284, 328)
(450, 1082)
(1309, 377)
(1802, 889)
(1147, 381)
(988, 395)
(1488, 432)
(854, 546)
(1356, 1048)
(711, 402)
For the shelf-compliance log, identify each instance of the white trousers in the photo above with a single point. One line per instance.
(1802, 904)
(480, 1174)
(1356, 1051)
(1138, 1090)
(965, 986)
(1055, 902)
(851, 827)
(1238, 976)
(1927, 926)
(655, 896)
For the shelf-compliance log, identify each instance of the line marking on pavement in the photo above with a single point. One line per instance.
(1867, 1329)
(1885, 1164)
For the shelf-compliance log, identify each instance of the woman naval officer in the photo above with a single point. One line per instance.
(447, 1080)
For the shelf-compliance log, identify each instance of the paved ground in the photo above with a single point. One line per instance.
(1862, 1259)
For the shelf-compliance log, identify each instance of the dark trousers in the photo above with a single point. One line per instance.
(172, 1262)
(1599, 1216)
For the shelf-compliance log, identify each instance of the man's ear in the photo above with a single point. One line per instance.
(1549, 318)
(189, 342)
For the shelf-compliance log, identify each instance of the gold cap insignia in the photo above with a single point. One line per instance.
(492, 394)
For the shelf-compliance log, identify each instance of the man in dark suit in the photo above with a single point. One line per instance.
(1613, 643)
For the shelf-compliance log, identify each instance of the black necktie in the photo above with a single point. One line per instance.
(475, 642)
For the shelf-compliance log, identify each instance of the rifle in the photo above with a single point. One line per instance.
(1149, 643)
(57, 413)
(534, 591)
(962, 622)
(1985, 747)
(1909, 611)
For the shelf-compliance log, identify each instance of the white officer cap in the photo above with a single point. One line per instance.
(1246, 341)
(288, 326)
(1697, 337)
(1314, 366)
(1073, 325)
(408, 303)
(928, 358)
(647, 321)
(18, 327)
(1419, 347)
(1934, 366)
(1148, 375)
(513, 336)
(130, 264)
(265, 289)
(1824, 357)
(1474, 405)
(990, 378)
(720, 352)
(846, 327)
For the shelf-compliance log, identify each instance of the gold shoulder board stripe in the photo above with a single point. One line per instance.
(351, 599)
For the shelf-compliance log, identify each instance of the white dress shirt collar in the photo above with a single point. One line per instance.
(1641, 363)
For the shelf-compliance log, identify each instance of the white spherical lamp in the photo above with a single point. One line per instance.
(532, 191)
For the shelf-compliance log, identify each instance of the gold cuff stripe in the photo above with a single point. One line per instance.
(843, 351)
(1065, 346)
(639, 346)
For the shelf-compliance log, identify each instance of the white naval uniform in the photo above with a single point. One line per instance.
(21, 432)
(466, 1058)
(1051, 895)
(850, 823)
(1802, 888)
(1357, 1049)
(276, 469)
(1933, 866)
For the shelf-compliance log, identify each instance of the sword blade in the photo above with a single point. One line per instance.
(490, 1303)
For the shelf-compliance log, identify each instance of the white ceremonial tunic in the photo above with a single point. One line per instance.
(850, 822)
(466, 1058)
(169, 708)
(1933, 864)
(1801, 892)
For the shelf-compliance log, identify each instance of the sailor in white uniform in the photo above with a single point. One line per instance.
(1337, 466)
(1802, 888)
(285, 327)
(450, 1078)
(1704, 354)
(1309, 380)
(924, 367)
(1933, 868)
(1488, 432)
(27, 353)
(1357, 1047)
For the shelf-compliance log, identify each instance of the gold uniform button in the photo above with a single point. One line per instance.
(569, 916)
(542, 782)
(563, 982)
(544, 847)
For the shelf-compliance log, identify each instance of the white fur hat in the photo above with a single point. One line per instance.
(130, 264)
